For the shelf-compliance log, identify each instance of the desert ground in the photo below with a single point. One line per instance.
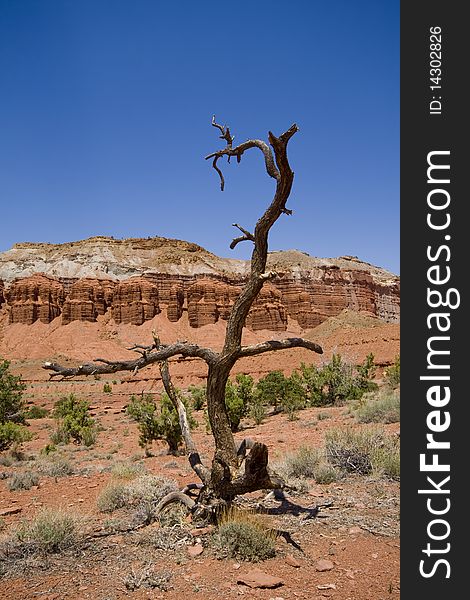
(334, 540)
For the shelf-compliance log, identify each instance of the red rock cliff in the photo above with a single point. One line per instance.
(36, 298)
(133, 280)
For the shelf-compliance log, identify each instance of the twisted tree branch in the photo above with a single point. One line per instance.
(273, 345)
(184, 349)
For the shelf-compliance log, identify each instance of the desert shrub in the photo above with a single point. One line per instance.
(147, 577)
(392, 373)
(74, 421)
(365, 374)
(338, 381)
(54, 465)
(159, 421)
(306, 463)
(88, 435)
(362, 451)
(198, 396)
(23, 481)
(36, 412)
(13, 434)
(127, 470)
(6, 460)
(294, 397)
(107, 389)
(173, 516)
(236, 408)
(313, 384)
(50, 531)
(326, 473)
(12, 404)
(257, 410)
(112, 497)
(378, 407)
(322, 416)
(244, 535)
(386, 460)
(301, 463)
(59, 436)
(146, 490)
(270, 389)
(245, 388)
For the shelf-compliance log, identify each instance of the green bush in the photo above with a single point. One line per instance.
(36, 412)
(326, 473)
(378, 407)
(337, 381)
(13, 434)
(294, 397)
(50, 531)
(283, 393)
(127, 470)
(271, 388)
(23, 481)
(392, 373)
(159, 421)
(236, 408)
(74, 422)
(12, 404)
(107, 389)
(198, 396)
(257, 410)
(245, 389)
(307, 463)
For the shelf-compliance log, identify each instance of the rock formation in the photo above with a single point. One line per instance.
(35, 298)
(134, 301)
(86, 299)
(133, 280)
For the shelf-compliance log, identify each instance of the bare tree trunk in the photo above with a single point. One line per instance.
(231, 473)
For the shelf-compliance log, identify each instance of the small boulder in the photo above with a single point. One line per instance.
(258, 579)
(195, 550)
(291, 561)
(324, 565)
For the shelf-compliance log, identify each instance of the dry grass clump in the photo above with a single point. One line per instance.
(147, 577)
(127, 470)
(244, 535)
(143, 493)
(379, 407)
(306, 463)
(54, 465)
(165, 538)
(51, 530)
(23, 481)
(364, 451)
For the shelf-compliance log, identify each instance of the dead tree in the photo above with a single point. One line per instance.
(233, 472)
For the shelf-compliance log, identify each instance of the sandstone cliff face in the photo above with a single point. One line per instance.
(36, 298)
(307, 290)
(86, 299)
(135, 301)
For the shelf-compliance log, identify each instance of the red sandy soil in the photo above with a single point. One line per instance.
(358, 532)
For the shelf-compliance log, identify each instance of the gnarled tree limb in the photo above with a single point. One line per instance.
(272, 345)
(184, 349)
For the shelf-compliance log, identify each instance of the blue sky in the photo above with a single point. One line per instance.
(105, 109)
